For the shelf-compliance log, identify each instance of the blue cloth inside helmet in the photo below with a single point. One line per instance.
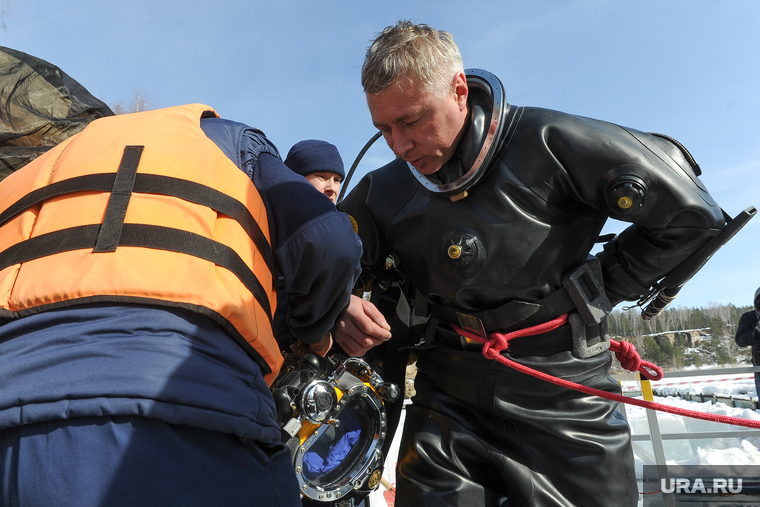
(329, 451)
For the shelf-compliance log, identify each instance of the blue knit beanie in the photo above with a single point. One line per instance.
(312, 155)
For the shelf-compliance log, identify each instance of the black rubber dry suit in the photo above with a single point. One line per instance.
(479, 433)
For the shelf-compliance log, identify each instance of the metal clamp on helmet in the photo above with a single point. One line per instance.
(332, 415)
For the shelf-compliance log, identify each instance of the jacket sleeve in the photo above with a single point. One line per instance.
(746, 334)
(316, 249)
(649, 181)
(319, 264)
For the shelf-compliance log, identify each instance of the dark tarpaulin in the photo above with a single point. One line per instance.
(40, 106)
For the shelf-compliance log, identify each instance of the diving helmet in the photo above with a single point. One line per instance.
(332, 416)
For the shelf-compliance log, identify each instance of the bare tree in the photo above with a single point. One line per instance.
(6, 12)
(141, 101)
(635, 320)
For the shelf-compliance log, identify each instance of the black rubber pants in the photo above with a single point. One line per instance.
(482, 434)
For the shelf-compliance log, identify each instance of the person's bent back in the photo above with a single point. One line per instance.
(138, 267)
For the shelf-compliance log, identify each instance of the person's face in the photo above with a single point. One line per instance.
(326, 182)
(420, 127)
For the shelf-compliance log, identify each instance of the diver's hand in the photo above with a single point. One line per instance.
(360, 328)
(321, 348)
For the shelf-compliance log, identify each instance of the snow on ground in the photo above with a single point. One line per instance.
(735, 450)
(728, 451)
(715, 451)
(712, 451)
(737, 385)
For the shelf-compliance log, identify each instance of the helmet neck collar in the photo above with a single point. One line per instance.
(480, 141)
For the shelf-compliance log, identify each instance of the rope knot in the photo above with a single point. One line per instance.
(629, 358)
(495, 345)
(498, 342)
(627, 355)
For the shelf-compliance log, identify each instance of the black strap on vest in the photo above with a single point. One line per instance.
(121, 192)
(153, 184)
(114, 232)
(140, 235)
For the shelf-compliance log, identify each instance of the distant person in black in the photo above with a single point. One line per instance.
(748, 334)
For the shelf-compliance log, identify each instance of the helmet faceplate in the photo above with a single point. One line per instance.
(333, 419)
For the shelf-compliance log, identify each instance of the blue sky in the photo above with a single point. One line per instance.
(686, 68)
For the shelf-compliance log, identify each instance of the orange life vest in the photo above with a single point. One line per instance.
(141, 208)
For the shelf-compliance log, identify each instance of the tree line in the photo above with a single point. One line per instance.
(682, 337)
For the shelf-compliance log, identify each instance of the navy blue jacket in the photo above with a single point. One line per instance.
(174, 364)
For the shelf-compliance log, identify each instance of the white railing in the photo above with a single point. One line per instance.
(656, 437)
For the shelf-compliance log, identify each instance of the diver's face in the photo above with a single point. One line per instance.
(420, 127)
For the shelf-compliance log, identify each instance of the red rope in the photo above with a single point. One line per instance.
(624, 351)
(631, 361)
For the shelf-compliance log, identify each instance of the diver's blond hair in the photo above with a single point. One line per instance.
(421, 53)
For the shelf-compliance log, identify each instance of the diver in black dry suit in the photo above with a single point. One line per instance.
(491, 235)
